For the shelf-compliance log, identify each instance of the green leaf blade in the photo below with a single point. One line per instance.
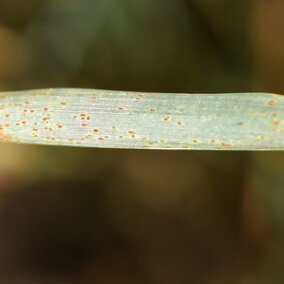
(132, 120)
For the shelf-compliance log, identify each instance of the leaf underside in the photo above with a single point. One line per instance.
(132, 120)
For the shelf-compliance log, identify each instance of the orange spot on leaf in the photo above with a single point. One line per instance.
(167, 118)
(271, 102)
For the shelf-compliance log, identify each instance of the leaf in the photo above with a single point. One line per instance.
(117, 119)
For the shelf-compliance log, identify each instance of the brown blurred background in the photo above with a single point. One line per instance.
(71, 215)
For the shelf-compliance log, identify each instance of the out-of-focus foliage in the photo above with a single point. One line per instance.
(84, 216)
(148, 45)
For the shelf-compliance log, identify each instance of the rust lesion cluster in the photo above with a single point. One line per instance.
(3, 135)
(25, 111)
(139, 97)
(132, 134)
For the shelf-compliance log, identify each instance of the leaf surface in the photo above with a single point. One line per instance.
(134, 120)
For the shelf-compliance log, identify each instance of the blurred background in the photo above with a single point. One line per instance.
(73, 215)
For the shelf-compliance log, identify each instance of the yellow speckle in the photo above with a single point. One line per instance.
(261, 137)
